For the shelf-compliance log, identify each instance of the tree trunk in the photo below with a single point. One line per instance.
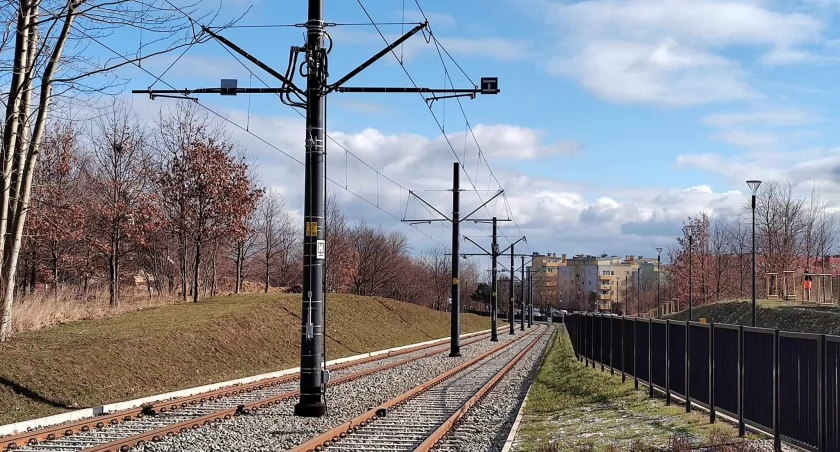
(267, 269)
(182, 244)
(196, 269)
(55, 271)
(213, 269)
(18, 213)
(240, 251)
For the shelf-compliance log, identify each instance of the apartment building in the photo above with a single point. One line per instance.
(544, 270)
(597, 282)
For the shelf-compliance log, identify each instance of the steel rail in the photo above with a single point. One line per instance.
(440, 434)
(333, 436)
(67, 430)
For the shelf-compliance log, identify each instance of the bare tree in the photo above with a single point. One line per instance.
(48, 60)
(277, 234)
(437, 273)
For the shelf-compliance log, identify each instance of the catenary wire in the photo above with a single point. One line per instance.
(246, 130)
(437, 121)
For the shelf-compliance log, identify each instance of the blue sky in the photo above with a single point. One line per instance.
(616, 120)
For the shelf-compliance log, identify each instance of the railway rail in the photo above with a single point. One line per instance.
(421, 418)
(122, 430)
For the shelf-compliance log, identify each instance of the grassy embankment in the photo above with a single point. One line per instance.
(167, 348)
(787, 316)
(574, 408)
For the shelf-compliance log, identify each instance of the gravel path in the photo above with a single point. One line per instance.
(488, 423)
(276, 429)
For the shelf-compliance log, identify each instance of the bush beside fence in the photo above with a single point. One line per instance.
(781, 383)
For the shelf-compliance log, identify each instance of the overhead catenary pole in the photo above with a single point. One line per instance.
(639, 291)
(510, 292)
(312, 375)
(494, 295)
(531, 296)
(522, 296)
(455, 309)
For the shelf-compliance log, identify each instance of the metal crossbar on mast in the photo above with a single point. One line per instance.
(455, 219)
(314, 375)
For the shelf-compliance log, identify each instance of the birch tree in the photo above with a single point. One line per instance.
(50, 60)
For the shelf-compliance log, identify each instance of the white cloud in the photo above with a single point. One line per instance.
(769, 118)
(664, 73)
(747, 139)
(667, 52)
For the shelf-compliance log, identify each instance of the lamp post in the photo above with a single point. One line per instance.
(753, 184)
(658, 280)
(626, 295)
(639, 291)
(690, 230)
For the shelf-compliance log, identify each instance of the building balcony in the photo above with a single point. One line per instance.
(605, 278)
(605, 297)
(606, 287)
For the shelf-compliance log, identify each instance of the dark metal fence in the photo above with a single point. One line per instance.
(781, 383)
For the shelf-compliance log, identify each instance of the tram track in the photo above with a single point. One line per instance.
(152, 422)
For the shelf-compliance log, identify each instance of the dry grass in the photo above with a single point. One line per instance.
(44, 308)
(172, 347)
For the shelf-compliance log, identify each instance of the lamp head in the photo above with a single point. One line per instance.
(690, 230)
(754, 184)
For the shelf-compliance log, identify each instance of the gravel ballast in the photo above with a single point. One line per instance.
(487, 425)
(276, 429)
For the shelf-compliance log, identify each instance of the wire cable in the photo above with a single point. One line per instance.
(233, 123)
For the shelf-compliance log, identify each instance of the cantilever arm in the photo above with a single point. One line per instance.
(429, 205)
(479, 246)
(253, 59)
(482, 205)
(514, 243)
(373, 59)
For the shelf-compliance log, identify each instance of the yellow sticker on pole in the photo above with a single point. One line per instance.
(455, 281)
(311, 229)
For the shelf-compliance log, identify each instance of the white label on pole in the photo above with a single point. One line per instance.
(320, 249)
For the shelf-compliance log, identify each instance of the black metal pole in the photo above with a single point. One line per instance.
(531, 297)
(753, 260)
(639, 291)
(522, 296)
(690, 287)
(510, 293)
(312, 375)
(455, 310)
(658, 289)
(494, 297)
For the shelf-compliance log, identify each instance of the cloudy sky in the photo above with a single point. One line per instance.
(616, 120)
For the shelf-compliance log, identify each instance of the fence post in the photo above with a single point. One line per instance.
(650, 360)
(777, 431)
(592, 340)
(601, 341)
(612, 358)
(667, 362)
(742, 430)
(623, 373)
(688, 366)
(635, 352)
(821, 395)
(712, 413)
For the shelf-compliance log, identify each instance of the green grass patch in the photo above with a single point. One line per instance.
(142, 353)
(782, 315)
(571, 407)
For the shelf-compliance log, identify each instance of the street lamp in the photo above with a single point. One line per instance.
(626, 295)
(658, 280)
(690, 230)
(753, 184)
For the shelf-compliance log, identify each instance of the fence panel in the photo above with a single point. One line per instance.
(726, 369)
(657, 353)
(832, 394)
(628, 345)
(571, 322)
(586, 335)
(616, 343)
(676, 354)
(758, 378)
(642, 340)
(699, 364)
(798, 354)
